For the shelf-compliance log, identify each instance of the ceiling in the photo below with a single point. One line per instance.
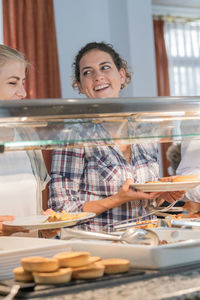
(178, 3)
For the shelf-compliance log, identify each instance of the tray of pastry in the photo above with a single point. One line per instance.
(12, 249)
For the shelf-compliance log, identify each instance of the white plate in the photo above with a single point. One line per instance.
(166, 186)
(37, 222)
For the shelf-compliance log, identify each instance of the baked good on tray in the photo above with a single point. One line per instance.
(116, 265)
(39, 264)
(22, 275)
(94, 270)
(73, 259)
(63, 275)
(66, 265)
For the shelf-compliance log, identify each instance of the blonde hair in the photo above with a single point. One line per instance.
(8, 53)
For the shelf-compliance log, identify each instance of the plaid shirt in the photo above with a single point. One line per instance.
(86, 174)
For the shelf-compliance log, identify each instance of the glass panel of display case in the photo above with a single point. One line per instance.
(58, 123)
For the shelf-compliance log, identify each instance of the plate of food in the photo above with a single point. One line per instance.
(169, 184)
(146, 224)
(159, 186)
(54, 220)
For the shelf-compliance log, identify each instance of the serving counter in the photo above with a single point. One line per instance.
(48, 124)
(182, 284)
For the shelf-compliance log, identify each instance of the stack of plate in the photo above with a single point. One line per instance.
(12, 249)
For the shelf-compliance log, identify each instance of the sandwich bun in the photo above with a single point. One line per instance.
(60, 276)
(94, 270)
(73, 259)
(93, 259)
(116, 265)
(177, 178)
(39, 264)
(22, 275)
(182, 178)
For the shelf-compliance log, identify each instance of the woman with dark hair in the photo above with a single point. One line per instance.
(99, 179)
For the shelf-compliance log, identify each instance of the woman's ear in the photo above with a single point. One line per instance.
(81, 91)
(122, 73)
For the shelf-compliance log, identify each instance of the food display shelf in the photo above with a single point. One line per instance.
(58, 123)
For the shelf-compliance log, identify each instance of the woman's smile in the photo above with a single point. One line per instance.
(99, 76)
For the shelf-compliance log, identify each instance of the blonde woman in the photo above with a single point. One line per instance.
(23, 174)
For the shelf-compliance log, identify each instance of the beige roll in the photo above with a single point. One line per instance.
(116, 265)
(39, 264)
(182, 178)
(60, 276)
(73, 259)
(22, 275)
(94, 270)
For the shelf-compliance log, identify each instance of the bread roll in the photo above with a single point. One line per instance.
(116, 265)
(39, 264)
(182, 178)
(73, 259)
(94, 270)
(60, 276)
(22, 275)
(93, 259)
(177, 178)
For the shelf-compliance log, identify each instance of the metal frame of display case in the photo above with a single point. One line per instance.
(153, 119)
(85, 108)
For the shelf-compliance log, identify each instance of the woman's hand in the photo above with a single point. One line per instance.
(127, 193)
(192, 207)
(172, 196)
(8, 230)
(49, 233)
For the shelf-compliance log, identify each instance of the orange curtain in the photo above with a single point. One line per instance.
(29, 26)
(163, 87)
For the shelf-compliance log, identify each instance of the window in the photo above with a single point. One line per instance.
(183, 50)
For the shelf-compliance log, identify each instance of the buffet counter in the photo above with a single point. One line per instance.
(182, 283)
(168, 277)
(48, 124)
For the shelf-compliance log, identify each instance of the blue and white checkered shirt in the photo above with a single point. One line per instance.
(86, 174)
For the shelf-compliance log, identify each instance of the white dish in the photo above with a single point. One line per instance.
(37, 222)
(13, 249)
(149, 257)
(166, 186)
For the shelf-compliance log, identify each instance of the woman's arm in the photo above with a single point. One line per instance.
(125, 194)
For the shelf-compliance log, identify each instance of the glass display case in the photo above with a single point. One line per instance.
(57, 123)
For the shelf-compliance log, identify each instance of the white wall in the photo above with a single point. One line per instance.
(141, 43)
(127, 24)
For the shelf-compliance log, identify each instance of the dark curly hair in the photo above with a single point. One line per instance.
(102, 46)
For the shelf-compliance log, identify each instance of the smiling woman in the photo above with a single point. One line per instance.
(100, 71)
(98, 179)
(23, 174)
(12, 86)
(12, 74)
